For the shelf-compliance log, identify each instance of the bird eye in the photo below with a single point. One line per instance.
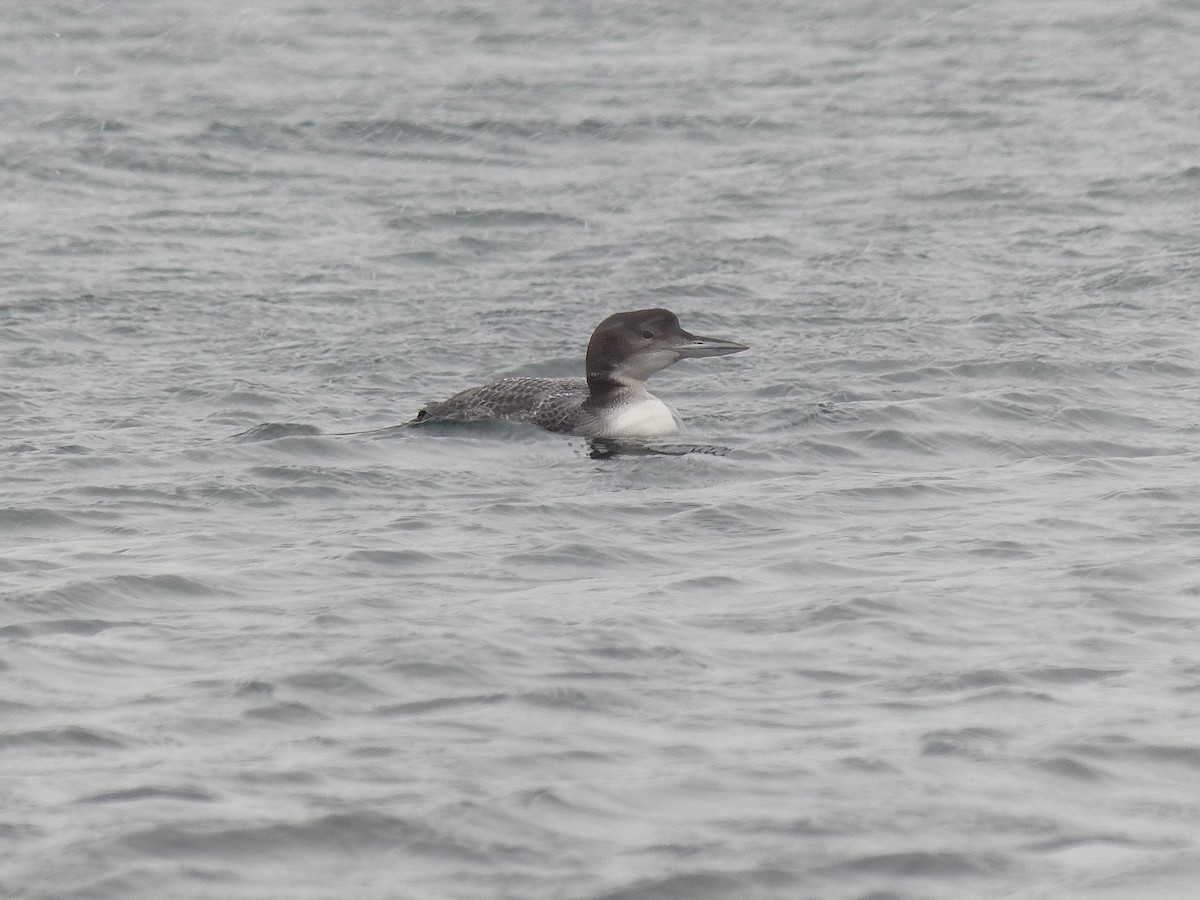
(647, 334)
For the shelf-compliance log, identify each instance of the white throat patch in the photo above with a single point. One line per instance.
(644, 417)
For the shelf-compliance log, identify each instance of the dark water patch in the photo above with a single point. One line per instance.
(1157, 367)
(81, 627)
(333, 622)
(1068, 767)
(1125, 282)
(73, 450)
(564, 698)
(374, 752)
(587, 675)
(144, 586)
(128, 496)
(596, 128)
(696, 584)
(985, 696)
(944, 489)
(775, 622)
(575, 554)
(1172, 626)
(24, 520)
(971, 741)
(1005, 550)
(435, 670)
(476, 246)
(1090, 418)
(1020, 370)
(706, 884)
(246, 398)
(150, 792)
(401, 560)
(1148, 497)
(259, 136)
(1007, 408)
(236, 223)
(767, 245)
(292, 713)
(420, 707)
(443, 156)
(70, 737)
(156, 161)
(821, 450)
(1115, 573)
(869, 766)
(917, 375)
(433, 258)
(923, 864)
(893, 440)
(108, 887)
(393, 131)
(634, 651)
(289, 779)
(786, 389)
(486, 219)
(252, 688)
(340, 834)
(1120, 747)
(830, 676)
(1071, 674)
(252, 495)
(592, 252)
(1071, 842)
(331, 682)
(119, 589)
(1089, 451)
(291, 481)
(78, 120)
(990, 193)
(858, 609)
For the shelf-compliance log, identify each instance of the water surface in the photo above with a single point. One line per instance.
(923, 628)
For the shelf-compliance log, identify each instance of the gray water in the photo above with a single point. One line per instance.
(924, 625)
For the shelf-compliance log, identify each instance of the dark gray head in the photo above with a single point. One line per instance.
(632, 346)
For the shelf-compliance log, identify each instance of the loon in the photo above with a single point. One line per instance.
(612, 401)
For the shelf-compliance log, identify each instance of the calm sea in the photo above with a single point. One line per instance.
(922, 622)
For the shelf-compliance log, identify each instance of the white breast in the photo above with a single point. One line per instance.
(646, 417)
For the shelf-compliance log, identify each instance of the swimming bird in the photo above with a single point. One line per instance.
(612, 401)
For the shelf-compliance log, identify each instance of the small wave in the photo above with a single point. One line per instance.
(397, 559)
(68, 736)
(486, 218)
(331, 682)
(707, 884)
(270, 431)
(291, 712)
(332, 834)
(150, 792)
(33, 518)
(924, 864)
(438, 704)
(83, 627)
(1067, 767)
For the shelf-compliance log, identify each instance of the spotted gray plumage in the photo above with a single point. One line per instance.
(556, 404)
